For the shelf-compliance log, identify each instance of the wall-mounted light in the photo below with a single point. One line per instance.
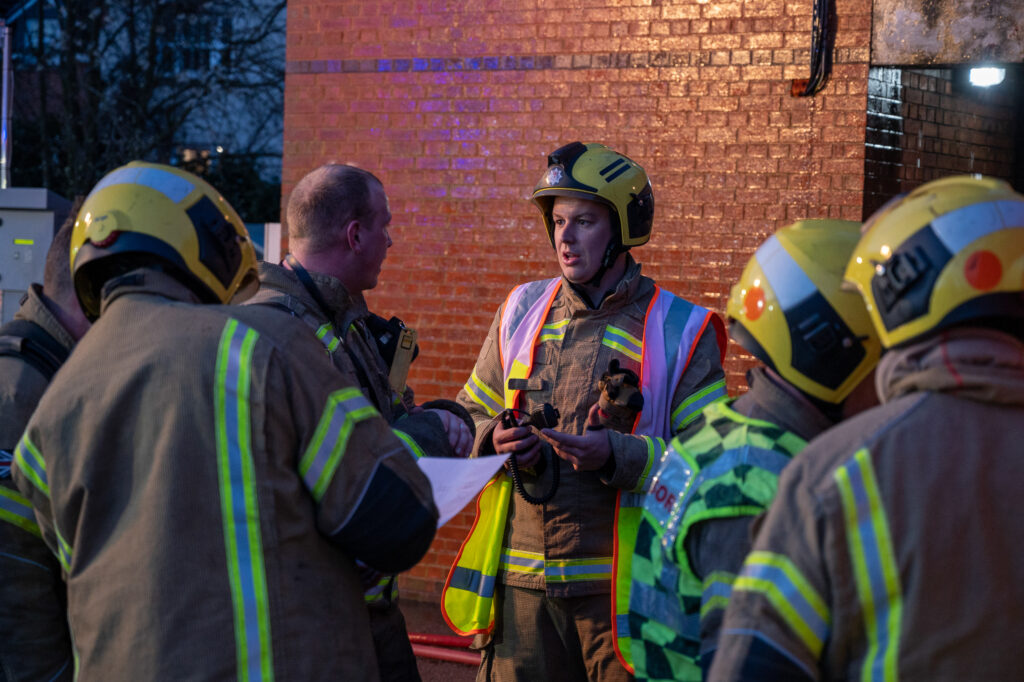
(988, 76)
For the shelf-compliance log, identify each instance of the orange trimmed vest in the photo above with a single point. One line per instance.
(671, 330)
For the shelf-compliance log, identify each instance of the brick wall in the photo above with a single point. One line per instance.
(455, 105)
(925, 124)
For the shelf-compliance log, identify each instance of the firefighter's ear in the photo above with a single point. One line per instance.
(352, 236)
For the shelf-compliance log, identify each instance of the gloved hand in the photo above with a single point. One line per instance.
(458, 424)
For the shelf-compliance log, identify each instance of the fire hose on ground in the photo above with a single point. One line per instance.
(444, 648)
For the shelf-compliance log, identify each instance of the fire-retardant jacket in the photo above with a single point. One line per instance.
(893, 550)
(34, 640)
(696, 525)
(566, 546)
(207, 482)
(353, 351)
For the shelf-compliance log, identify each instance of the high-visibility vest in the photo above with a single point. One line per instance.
(671, 330)
(693, 485)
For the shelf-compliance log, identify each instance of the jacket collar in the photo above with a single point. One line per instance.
(972, 362)
(145, 281)
(344, 307)
(35, 309)
(773, 400)
(629, 288)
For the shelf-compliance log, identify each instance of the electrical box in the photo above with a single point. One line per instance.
(29, 217)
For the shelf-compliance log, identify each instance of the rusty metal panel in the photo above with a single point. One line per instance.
(925, 32)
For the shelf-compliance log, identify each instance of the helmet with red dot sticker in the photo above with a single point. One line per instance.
(792, 312)
(949, 253)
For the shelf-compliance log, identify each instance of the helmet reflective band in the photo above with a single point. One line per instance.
(145, 212)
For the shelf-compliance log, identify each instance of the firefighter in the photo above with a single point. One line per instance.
(540, 581)
(204, 478)
(338, 219)
(893, 548)
(819, 351)
(34, 640)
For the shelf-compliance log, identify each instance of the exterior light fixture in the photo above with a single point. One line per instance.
(988, 76)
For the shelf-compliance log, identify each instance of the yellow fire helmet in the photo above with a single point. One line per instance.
(948, 252)
(595, 172)
(790, 310)
(143, 212)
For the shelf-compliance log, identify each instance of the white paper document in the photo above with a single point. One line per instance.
(456, 481)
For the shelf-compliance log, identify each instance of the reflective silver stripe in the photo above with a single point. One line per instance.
(240, 513)
(378, 591)
(716, 588)
(345, 408)
(410, 443)
(170, 185)
(483, 395)
(959, 228)
(695, 404)
(574, 571)
(787, 279)
(326, 335)
(874, 565)
(472, 581)
(779, 581)
(16, 509)
(578, 571)
(32, 465)
(623, 342)
(517, 563)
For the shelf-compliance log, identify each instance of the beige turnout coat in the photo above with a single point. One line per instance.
(896, 544)
(578, 522)
(207, 481)
(34, 641)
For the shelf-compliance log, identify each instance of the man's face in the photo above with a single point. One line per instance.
(375, 233)
(582, 232)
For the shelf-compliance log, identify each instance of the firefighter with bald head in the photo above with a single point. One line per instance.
(339, 236)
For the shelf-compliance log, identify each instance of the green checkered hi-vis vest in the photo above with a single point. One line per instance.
(729, 468)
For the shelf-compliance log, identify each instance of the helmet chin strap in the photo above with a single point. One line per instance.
(611, 252)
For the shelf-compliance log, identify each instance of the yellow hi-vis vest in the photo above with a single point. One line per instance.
(671, 330)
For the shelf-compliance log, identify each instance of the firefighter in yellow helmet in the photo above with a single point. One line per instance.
(205, 480)
(893, 549)
(543, 577)
(819, 351)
